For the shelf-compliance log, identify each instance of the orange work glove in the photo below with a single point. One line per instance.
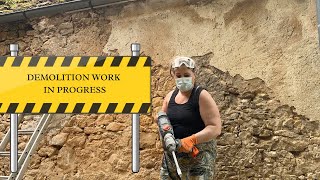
(187, 145)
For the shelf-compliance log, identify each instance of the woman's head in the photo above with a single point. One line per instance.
(182, 69)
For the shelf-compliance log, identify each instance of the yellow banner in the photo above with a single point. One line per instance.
(70, 84)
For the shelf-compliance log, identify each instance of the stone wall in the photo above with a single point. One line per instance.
(275, 40)
(262, 137)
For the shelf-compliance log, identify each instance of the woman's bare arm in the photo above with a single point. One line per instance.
(211, 117)
(166, 101)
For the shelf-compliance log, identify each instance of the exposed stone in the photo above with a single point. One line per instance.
(115, 127)
(92, 130)
(157, 102)
(22, 46)
(247, 95)
(94, 116)
(289, 123)
(227, 139)
(66, 25)
(292, 145)
(66, 157)
(66, 28)
(298, 145)
(4, 50)
(1, 134)
(148, 140)
(28, 117)
(70, 122)
(113, 159)
(122, 165)
(84, 122)
(104, 119)
(94, 137)
(124, 139)
(234, 115)
(76, 141)
(47, 151)
(21, 33)
(2, 127)
(285, 133)
(21, 145)
(315, 140)
(12, 35)
(3, 35)
(59, 140)
(73, 129)
(265, 133)
(30, 33)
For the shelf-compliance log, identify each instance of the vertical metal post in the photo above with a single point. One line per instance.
(318, 14)
(14, 127)
(135, 48)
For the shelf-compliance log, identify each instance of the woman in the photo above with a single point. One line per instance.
(195, 118)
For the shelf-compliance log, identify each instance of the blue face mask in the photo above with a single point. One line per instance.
(184, 84)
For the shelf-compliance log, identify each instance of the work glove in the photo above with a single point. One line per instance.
(187, 145)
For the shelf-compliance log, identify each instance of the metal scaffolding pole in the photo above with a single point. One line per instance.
(135, 48)
(14, 127)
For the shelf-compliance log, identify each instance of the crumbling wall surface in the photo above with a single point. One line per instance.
(82, 33)
(275, 40)
(271, 39)
(270, 43)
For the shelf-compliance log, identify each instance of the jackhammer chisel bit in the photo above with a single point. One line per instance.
(177, 165)
(169, 141)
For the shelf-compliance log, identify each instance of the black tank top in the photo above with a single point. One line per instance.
(185, 118)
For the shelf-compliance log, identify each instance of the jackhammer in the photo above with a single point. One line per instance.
(168, 139)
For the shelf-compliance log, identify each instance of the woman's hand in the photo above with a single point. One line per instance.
(188, 143)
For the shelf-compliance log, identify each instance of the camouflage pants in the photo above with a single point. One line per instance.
(198, 168)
